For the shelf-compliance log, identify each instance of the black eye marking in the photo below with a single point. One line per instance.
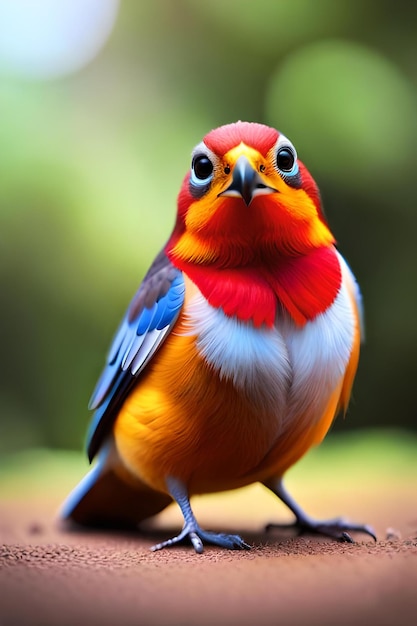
(227, 169)
(262, 167)
(203, 167)
(285, 160)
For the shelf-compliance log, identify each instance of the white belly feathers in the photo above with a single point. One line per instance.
(282, 370)
(255, 359)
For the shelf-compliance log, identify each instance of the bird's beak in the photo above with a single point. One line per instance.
(246, 182)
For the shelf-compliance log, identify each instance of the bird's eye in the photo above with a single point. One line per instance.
(202, 167)
(201, 174)
(285, 160)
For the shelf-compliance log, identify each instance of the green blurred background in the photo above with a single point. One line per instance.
(101, 104)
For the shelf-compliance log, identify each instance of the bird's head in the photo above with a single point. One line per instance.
(247, 197)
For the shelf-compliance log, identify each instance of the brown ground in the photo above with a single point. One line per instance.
(52, 577)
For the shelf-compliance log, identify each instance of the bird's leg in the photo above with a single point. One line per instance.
(336, 528)
(191, 530)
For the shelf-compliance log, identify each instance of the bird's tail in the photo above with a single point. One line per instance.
(108, 497)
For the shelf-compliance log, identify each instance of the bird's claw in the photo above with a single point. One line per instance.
(197, 536)
(191, 530)
(336, 528)
(195, 540)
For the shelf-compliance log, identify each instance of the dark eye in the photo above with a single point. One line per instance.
(203, 167)
(285, 160)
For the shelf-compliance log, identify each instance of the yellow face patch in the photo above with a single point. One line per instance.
(202, 210)
(284, 214)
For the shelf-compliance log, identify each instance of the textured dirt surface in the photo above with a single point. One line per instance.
(49, 576)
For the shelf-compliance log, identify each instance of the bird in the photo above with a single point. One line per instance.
(235, 355)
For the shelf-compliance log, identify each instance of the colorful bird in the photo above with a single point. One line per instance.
(237, 351)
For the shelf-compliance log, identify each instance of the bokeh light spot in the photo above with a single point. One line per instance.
(349, 110)
(46, 38)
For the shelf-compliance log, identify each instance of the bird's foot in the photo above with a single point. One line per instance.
(197, 536)
(337, 528)
(191, 530)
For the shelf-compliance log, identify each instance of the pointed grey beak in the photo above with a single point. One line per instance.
(246, 182)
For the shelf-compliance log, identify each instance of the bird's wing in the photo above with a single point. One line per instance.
(148, 319)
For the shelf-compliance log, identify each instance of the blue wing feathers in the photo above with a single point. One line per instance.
(99, 425)
(151, 343)
(132, 352)
(116, 343)
(144, 322)
(173, 301)
(142, 331)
